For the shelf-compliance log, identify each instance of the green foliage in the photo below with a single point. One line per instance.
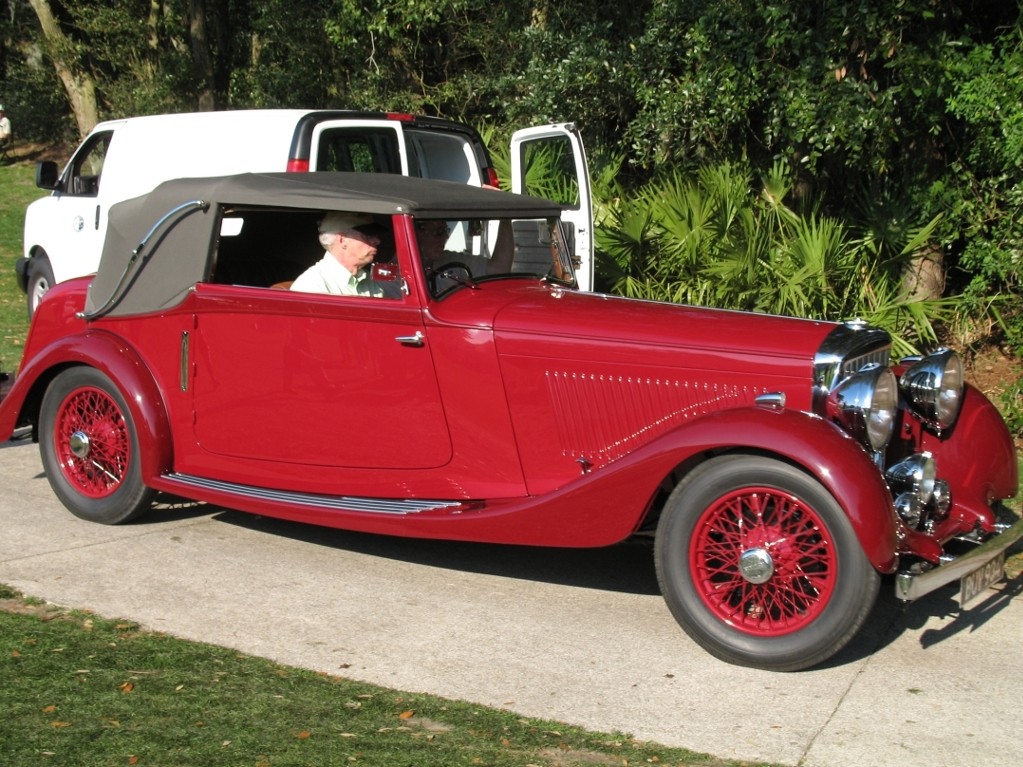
(862, 119)
(984, 189)
(709, 239)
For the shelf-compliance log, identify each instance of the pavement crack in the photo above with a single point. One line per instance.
(885, 637)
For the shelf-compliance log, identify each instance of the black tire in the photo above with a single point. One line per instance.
(90, 448)
(40, 279)
(760, 566)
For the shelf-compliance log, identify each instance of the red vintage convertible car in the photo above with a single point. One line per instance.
(783, 466)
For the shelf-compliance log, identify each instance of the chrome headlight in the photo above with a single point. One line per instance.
(914, 475)
(933, 387)
(865, 403)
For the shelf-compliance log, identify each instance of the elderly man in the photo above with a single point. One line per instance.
(351, 241)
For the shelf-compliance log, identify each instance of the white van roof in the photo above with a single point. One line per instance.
(147, 150)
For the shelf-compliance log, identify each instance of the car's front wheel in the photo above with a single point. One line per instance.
(759, 564)
(90, 448)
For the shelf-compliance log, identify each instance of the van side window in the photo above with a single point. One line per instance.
(87, 167)
(360, 150)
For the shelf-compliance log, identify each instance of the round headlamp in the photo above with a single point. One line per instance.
(865, 403)
(933, 387)
(915, 476)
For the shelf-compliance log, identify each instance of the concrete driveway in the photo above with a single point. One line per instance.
(577, 636)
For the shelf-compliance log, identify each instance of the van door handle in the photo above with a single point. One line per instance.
(97, 218)
(415, 340)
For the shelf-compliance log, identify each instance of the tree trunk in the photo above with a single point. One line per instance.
(78, 84)
(202, 58)
(924, 277)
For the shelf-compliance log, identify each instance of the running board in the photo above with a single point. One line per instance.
(397, 506)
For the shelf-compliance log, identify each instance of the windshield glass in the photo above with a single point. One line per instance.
(464, 252)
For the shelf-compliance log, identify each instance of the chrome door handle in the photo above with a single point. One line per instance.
(415, 340)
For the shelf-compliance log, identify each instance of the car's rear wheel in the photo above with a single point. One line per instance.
(40, 280)
(90, 448)
(760, 565)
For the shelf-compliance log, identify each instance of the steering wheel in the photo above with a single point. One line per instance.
(452, 270)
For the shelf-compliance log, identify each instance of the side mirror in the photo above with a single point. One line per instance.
(46, 175)
(385, 273)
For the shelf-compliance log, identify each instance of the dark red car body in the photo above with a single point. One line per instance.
(519, 410)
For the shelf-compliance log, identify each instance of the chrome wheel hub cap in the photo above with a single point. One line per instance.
(756, 565)
(79, 444)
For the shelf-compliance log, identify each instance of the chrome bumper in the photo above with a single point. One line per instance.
(910, 586)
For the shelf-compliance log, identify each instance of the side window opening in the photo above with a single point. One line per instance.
(270, 248)
(549, 171)
(261, 248)
(87, 167)
(359, 150)
(448, 157)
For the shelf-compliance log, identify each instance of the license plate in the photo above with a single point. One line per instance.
(972, 584)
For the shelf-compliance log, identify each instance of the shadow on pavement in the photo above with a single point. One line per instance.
(891, 618)
(627, 567)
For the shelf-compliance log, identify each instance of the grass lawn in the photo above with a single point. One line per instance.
(19, 189)
(78, 690)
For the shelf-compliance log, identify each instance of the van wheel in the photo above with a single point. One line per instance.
(90, 448)
(40, 279)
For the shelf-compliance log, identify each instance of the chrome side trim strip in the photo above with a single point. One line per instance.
(909, 586)
(400, 506)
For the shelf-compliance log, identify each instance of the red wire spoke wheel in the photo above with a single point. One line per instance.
(92, 443)
(763, 561)
(760, 565)
(90, 448)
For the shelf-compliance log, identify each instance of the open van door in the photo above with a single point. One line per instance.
(549, 162)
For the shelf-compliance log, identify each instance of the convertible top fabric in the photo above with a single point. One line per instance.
(176, 250)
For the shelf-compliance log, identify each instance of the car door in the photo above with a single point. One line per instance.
(320, 380)
(549, 161)
(76, 219)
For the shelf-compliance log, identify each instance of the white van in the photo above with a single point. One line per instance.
(121, 159)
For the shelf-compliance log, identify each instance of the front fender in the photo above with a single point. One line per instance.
(606, 505)
(977, 458)
(834, 458)
(120, 363)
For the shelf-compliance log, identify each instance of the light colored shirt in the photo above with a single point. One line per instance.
(328, 276)
(5, 128)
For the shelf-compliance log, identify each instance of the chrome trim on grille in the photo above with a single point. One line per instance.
(399, 506)
(846, 349)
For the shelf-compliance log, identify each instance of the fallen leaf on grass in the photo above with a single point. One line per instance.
(127, 687)
(406, 714)
(60, 724)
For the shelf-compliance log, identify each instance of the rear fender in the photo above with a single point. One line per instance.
(121, 365)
